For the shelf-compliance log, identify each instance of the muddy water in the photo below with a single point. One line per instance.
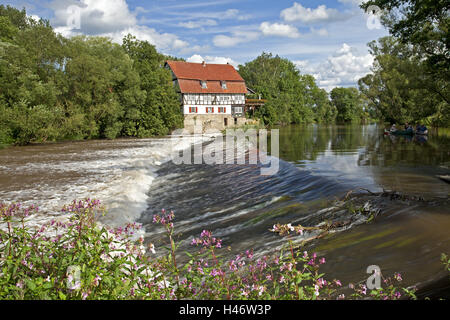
(318, 164)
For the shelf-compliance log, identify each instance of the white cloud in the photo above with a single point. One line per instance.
(307, 15)
(95, 16)
(344, 68)
(320, 32)
(279, 29)
(196, 58)
(236, 38)
(353, 2)
(198, 24)
(109, 18)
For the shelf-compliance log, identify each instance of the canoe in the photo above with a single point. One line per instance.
(403, 133)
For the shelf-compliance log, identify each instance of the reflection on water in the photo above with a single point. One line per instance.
(318, 164)
(369, 158)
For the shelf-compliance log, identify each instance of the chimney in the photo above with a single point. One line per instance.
(204, 64)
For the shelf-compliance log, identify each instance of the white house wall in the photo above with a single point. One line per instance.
(213, 99)
(201, 109)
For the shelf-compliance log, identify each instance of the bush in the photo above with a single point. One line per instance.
(79, 259)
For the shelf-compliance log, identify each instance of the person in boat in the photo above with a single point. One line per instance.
(393, 128)
(408, 127)
(422, 129)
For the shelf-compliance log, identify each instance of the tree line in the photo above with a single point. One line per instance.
(56, 88)
(410, 76)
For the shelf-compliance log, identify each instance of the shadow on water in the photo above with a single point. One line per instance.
(319, 164)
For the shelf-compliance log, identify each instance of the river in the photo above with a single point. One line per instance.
(135, 179)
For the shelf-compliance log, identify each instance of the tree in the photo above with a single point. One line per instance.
(421, 23)
(53, 88)
(348, 104)
(160, 113)
(292, 97)
(400, 89)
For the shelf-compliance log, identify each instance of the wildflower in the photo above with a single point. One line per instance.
(215, 273)
(397, 295)
(151, 247)
(19, 284)
(338, 283)
(282, 280)
(398, 277)
(322, 260)
(84, 295)
(316, 290)
(364, 289)
(322, 282)
(96, 280)
(276, 260)
(205, 234)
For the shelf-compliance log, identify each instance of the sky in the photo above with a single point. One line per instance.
(325, 38)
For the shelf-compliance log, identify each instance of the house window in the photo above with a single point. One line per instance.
(223, 84)
(193, 109)
(222, 109)
(203, 84)
(238, 110)
(209, 109)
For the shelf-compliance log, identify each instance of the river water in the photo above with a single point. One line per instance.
(135, 179)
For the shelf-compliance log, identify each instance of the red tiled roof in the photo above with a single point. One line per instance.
(208, 72)
(214, 86)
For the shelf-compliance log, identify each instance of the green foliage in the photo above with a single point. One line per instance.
(445, 261)
(161, 107)
(78, 259)
(80, 88)
(292, 97)
(348, 104)
(401, 88)
(423, 24)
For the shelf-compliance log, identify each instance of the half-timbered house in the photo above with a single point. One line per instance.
(211, 95)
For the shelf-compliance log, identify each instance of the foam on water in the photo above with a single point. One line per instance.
(119, 173)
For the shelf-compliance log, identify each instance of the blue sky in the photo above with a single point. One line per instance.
(326, 38)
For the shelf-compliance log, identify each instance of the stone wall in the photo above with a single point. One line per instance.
(214, 122)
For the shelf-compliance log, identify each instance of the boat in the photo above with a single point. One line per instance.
(403, 133)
